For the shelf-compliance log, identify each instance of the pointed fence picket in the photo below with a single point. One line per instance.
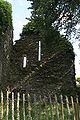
(51, 107)
(29, 108)
(18, 117)
(12, 106)
(1, 105)
(23, 106)
(46, 108)
(62, 110)
(57, 112)
(40, 107)
(77, 107)
(7, 109)
(74, 118)
(35, 108)
(68, 108)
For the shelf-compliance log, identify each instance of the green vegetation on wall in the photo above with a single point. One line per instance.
(29, 29)
(5, 16)
(50, 37)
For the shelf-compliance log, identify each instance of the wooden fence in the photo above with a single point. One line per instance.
(21, 107)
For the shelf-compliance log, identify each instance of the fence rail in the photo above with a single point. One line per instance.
(47, 108)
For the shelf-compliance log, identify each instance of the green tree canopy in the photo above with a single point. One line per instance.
(5, 16)
(29, 29)
(61, 14)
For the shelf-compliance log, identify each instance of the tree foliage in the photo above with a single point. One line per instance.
(51, 38)
(61, 14)
(5, 16)
(29, 29)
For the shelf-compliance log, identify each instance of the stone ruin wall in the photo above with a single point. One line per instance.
(6, 43)
(55, 73)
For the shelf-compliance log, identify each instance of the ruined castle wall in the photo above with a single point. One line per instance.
(55, 72)
(6, 42)
(5, 54)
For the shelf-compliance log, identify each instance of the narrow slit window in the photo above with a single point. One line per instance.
(24, 61)
(39, 52)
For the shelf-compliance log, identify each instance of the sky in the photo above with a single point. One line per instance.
(21, 11)
(77, 51)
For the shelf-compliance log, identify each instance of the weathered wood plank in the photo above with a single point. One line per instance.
(46, 108)
(7, 105)
(67, 103)
(12, 106)
(62, 109)
(35, 108)
(40, 107)
(51, 107)
(74, 117)
(23, 106)
(18, 116)
(77, 107)
(1, 105)
(29, 108)
(57, 111)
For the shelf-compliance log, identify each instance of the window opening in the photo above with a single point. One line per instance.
(39, 52)
(24, 61)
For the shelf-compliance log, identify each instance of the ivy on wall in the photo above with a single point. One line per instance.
(51, 37)
(5, 16)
